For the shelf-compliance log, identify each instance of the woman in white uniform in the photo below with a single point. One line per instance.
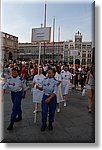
(59, 92)
(37, 94)
(65, 84)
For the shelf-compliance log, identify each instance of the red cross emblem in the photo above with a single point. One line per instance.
(48, 83)
(13, 84)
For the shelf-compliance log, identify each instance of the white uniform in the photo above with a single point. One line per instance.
(65, 84)
(37, 94)
(59, 92)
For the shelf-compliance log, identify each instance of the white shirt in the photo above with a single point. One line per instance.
(15, 84)
(66, 76)
(38, 79)
(58, 77)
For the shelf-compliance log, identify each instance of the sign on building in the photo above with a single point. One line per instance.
(73, 52)
(41, 34)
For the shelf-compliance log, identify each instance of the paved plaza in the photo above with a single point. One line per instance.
(72, 125)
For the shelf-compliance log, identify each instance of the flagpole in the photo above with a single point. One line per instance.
(53, 40)
(35, 117)
(44, 24)
(59, 44)
(45, 14)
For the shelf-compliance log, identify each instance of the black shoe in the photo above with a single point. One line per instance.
(89, 110)
(44, 125)
(50, 127)
(10, 127)
(18, 119)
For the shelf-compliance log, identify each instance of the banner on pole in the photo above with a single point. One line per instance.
(41, 34)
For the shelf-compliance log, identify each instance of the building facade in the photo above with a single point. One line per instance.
(62, 51)
(30, 51)
(85, 51)
(9, 46)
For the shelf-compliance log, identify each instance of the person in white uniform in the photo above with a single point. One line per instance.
(37, 94)
(59, 91)
(65, 84)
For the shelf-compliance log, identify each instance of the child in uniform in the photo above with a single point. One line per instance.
(18, 91)
(49, 100)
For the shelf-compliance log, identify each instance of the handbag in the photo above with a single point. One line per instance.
(84, 91)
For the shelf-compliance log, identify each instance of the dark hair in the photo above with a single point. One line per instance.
(52, 69)
(58, 69)
(15, 69)
(91, 71)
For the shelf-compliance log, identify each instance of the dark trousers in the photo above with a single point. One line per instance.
(82, 82)
(16, 109)
(50, 107)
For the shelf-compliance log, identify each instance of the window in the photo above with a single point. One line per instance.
(89, 55)
(89, 51)
(78, 53)
(88, 61)
(83, 61)
(66, 46)
(83, 55)
(83, 46)
(88, 46)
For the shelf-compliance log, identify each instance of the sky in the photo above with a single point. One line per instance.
(18, 18)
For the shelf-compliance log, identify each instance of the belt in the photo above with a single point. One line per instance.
(47, 94)
(16, 91)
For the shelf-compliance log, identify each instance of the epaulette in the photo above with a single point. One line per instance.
(9, 78)
(20, 78)
(45, 79)
(55, 79)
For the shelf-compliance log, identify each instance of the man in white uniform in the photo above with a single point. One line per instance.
(65, 84)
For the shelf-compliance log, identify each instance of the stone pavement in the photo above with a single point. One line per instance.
(72, 125)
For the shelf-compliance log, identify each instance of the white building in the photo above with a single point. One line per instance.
(84, 49)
